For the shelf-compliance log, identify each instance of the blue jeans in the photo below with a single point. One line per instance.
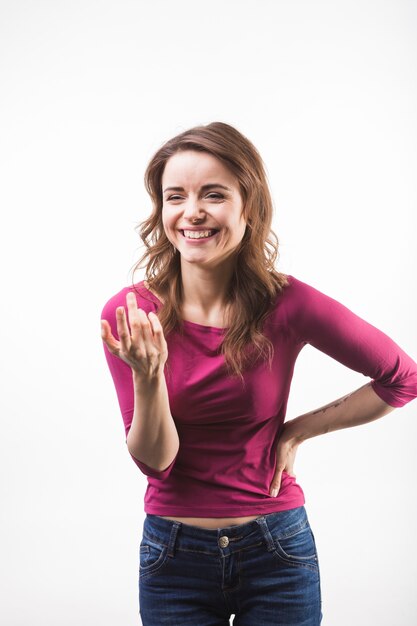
(266, 572)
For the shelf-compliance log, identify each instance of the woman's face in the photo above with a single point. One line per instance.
(217, 207)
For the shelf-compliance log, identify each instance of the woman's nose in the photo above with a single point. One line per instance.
(192, 210)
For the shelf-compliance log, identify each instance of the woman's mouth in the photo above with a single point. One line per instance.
(198, 236)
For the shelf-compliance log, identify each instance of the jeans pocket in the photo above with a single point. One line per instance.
(295, 544)
(152, 556)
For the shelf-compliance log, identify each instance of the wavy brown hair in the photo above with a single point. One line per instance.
(255, 283)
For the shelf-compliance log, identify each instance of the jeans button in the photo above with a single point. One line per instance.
(223, 542)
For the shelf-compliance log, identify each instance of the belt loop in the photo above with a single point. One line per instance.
(266, 533)
(173, 537)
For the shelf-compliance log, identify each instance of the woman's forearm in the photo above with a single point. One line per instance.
(360, 406)
(153, 437)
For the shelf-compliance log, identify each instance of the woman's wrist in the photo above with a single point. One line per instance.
(291, 432)
(141, 381)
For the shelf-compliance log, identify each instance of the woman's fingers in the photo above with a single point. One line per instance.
(123, 330)
(134, 321)
(285, 457)
(107, 336)
(142, 328)
(147, 332)
(158, 332)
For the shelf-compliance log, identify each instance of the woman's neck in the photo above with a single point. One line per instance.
(206, 291)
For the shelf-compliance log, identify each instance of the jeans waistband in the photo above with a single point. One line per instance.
(177, 535)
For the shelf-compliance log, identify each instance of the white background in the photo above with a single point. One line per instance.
(327, 91)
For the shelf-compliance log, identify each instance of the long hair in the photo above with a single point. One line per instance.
(255, 283)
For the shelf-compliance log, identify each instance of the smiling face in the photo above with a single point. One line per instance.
(206, 197)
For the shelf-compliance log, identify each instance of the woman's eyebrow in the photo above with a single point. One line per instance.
(203, 188)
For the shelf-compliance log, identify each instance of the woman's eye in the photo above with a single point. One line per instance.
(218, 195)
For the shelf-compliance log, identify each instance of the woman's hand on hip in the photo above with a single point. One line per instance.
(144, 348)
(285, 452)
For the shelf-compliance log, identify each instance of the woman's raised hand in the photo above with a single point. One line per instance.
(145, 350)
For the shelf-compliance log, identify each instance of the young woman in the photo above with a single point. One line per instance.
(202, 354)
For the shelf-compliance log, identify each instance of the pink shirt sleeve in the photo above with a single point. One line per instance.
(121, 373)
(331, 327)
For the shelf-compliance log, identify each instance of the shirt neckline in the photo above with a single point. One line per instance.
(188, 322)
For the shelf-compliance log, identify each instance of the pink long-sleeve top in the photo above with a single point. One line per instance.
(228, 434)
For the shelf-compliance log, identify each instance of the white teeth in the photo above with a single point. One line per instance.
(198, 234)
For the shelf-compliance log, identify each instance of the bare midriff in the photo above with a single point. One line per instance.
(212, 523)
